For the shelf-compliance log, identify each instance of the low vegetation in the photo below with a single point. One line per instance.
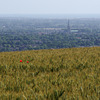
(20, 34)
(53, 74)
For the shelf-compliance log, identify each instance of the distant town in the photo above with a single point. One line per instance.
(17, 33)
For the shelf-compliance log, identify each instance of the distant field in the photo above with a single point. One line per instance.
(53, 74)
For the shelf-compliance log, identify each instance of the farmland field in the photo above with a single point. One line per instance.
(53, 74)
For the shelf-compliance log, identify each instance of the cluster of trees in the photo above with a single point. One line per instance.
(14, 42)
(27, 34)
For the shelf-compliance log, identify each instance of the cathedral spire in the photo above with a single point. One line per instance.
(68, 27)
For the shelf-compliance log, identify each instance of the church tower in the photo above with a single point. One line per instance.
(68, 28)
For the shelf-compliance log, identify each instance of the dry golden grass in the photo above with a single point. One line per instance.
(56, 74)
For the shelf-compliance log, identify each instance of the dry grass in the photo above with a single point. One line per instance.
(56, 74)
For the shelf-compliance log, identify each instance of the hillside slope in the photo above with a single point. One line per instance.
(65, 74)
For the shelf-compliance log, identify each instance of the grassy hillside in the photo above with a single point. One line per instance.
(56, 74)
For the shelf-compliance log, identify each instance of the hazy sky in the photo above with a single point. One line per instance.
(49, 6)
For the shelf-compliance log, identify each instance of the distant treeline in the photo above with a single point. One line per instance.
(27, 34)
(18, 42)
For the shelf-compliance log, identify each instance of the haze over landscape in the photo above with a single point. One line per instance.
(45, 7)
(50, 50)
